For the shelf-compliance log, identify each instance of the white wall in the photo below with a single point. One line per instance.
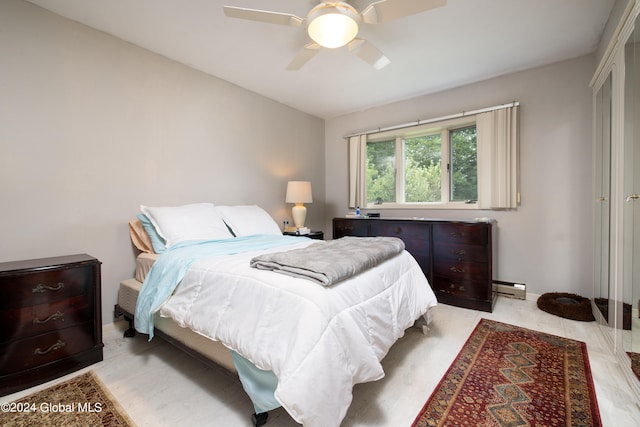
(91, 127)
(547, 242)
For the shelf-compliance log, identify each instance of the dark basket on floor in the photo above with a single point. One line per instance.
(569, 306)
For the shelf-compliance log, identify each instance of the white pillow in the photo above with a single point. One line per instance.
(198, 221)
(248, 220)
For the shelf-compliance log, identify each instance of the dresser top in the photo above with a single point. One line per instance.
(45, 263)
(418, 219)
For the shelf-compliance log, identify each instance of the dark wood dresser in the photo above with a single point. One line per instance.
(51, 319)
(458, 257)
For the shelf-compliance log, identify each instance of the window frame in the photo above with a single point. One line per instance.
(444, 127)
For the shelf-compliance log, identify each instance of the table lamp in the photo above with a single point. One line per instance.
(299, 192)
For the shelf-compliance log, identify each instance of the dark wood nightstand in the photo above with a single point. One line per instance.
(317, 235)
(51, 319)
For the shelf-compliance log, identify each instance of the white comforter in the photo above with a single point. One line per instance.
(319, 341)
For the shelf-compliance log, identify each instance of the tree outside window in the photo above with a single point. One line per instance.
(409, 170)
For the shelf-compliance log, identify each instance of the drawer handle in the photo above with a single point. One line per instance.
(455, 269)
(44, 288)
(458, 252)
(55, 316)
(453, 286)
(54, 347)
(397, 230)
(456, 234)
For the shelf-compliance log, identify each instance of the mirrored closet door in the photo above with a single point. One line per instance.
(631, 193)
(602, 129)
(617, 193)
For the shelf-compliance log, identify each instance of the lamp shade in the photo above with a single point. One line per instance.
(299, 192)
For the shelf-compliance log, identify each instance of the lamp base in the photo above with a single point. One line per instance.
(299, 213)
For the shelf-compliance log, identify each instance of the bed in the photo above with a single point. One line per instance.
(295, 341)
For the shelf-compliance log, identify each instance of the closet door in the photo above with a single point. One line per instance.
(618, 224)
(602, 129)
(628, 315)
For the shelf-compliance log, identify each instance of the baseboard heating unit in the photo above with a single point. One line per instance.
(510, 289)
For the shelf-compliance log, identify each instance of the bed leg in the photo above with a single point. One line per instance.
(120, 313)
(259, 419)
(131, 332)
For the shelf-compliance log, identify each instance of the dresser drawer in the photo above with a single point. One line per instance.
(460, 252)
(403, 230)
(460, 270)
(460, 288)
(30, 321)
(35, 351)
(470, 234)
(414, 235)
(355, 227)
(44, 287)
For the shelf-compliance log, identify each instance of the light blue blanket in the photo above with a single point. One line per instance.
(171, 266)
(260, 385)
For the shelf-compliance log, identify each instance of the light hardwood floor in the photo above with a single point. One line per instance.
(161, 386)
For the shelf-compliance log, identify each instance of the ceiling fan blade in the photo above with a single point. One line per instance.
(369, 53)
(263, 16)
(387, 10)
(304, 55)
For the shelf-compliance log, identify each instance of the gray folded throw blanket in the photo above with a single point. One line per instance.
(331, 261)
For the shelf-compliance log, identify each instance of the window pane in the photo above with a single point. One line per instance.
(381, 172)
(422, 172)
(464, 164)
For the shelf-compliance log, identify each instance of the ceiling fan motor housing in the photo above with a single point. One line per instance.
(333, 24)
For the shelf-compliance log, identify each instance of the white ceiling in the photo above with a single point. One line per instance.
(463, 42)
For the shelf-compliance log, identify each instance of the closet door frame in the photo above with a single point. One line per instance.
(614, 62)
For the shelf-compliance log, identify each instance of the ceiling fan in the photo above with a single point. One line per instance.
(334, 24)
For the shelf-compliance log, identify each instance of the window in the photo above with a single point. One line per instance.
(464, 164)
(430, 165)
(463, 161)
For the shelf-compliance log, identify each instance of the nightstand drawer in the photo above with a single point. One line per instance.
(51, 319)
(44, 287)
(38, 319)
(315, 235)
(35, 351)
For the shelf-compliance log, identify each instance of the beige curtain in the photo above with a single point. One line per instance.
(497, 139)
(357, 153)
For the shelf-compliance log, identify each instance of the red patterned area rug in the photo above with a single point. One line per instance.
(510, 376)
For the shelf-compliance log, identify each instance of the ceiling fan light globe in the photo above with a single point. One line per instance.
(332, 25)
